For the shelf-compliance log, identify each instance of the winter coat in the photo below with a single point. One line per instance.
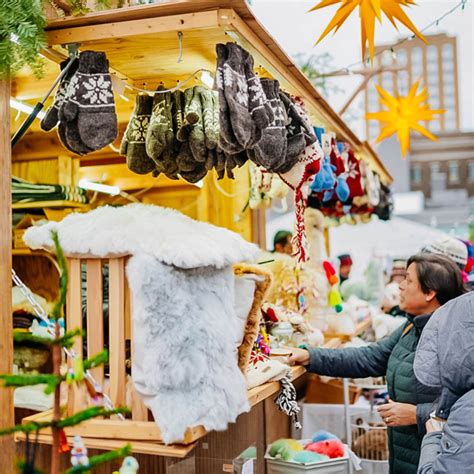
(445, 360)
(391, 357)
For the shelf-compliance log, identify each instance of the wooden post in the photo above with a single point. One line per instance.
(7, 446)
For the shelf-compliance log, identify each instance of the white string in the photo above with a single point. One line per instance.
(436, 22)
(175, 88)
(41, 313)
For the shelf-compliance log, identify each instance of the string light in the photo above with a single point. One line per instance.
(436, 22)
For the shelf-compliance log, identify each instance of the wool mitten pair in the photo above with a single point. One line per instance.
(134, 139)
(354, 177)
(270, 150)
(160, 134)
(244, 111)
(190, 112)
(89, 108)
(51, 118)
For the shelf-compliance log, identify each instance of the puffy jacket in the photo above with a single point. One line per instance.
(445, 360)
(392, 357)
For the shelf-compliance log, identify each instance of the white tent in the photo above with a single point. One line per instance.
(395, 238)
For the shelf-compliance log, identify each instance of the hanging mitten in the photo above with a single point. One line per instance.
(227, 139)
(270, 150)
(319, 131)
(236, 93)
(160, 131)
(261, 110)
(133, 143)
(325, 179)
(51, 118)
(336, 158)
(354, 177)
(210, 117)
(197, 141)
(191, 170)
(342, 189)
(92, 103)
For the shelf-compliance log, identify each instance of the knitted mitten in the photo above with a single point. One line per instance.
(237, 95)
(92, 101)
(220, 163)
(160, 131)
(133, 143)
(354, 176)
(210, 117)
(259, 106)
(189, 169)
(189, 113)
(51, 118)
(270, 150)
(299, 135)
(227, 138)
(197, 141)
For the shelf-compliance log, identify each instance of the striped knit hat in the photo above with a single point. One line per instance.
(449, 247)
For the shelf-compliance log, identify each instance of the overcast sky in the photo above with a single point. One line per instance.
(296, 31)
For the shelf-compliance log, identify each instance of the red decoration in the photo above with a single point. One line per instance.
(332, 448)
(63, 444)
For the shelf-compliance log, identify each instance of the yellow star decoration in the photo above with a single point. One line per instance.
(368, 11)
(403, 115)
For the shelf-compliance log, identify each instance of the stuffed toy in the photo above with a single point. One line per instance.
(285, 449)
(333, 448)
(323, 435)
(307, 457)
(371, 443)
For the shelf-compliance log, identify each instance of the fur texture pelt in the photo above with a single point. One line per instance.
(168, 235)
(181, 278)
(253, 321)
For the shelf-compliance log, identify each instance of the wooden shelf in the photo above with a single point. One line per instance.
(50, 204)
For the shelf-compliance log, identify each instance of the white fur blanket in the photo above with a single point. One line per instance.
(168, 235)
(180, 275)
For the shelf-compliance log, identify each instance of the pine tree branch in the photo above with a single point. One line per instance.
(99, 359)
(88, 413)
(102, 458)
(21, 337)
(26, 380)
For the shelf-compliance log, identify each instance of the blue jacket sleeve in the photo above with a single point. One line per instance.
(354, 362)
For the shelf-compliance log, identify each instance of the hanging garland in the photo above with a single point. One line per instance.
(21, 36)
(369, 10)
(403, 114)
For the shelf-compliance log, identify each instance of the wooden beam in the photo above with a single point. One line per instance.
(7, 447)
(124, 29)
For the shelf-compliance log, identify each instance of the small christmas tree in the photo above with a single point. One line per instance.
(77, 375)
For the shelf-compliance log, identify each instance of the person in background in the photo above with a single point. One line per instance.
(282, 242)
(431, 281)
(451, 248)
(445, 358)
(398, 271)
(345, 266)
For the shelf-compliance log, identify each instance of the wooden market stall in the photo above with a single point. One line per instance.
(144, 49)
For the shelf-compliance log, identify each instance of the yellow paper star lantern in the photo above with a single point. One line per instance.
(368, 11)
(403, 114)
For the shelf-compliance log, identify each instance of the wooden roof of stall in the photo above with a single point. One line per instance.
(142, 46)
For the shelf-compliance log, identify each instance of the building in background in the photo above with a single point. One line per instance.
(442, 170)
(434, 63)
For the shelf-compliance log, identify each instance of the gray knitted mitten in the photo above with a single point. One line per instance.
(92, 101)
(160, 131)
(133, 143)
(270, 151)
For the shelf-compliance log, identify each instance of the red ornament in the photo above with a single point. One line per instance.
(63, 444)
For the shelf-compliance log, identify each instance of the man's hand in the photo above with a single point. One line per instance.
(299, 357)
(398, 414)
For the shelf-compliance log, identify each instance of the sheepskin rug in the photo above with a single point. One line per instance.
(181, 278)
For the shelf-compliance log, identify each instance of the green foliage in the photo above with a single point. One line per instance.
(25, 380)
(101, 458)
(97, 360)
(22, 337)
(78, 7)
(88, 413)
(22, 36)
(103, 4)
(59, 304)
(67, 340)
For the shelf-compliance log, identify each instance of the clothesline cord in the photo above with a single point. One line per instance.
(172, 89)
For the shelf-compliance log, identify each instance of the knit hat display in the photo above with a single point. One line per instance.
(449, 247)
(90, 105)
(160, 132)
(51, 118)
(133, 142)
(270, 150)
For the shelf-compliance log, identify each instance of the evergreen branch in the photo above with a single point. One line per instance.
(24, 467)
(88, 413)
(102, 458)
(103, 4)
(99, 359)
(25, 380)
(63, 280)
(67, 340)
(28, 428)
(21, 337)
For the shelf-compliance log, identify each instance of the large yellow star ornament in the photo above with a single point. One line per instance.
(368, 11)
(403, 115)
